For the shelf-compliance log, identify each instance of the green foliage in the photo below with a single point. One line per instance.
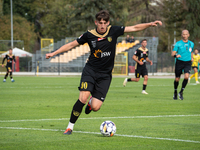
(22, 30)
(60, 18)
(83, 14)
(56, 22)
(140, 119)
(192, 19)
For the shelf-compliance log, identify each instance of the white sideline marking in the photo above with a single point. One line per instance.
(133, 136)
(125, 117)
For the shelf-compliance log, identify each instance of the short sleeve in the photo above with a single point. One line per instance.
(192, 47)
(136, 53)
(175, 47)
(82, 39)
(119, 30)
(147, 54)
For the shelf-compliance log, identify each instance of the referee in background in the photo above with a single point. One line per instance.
(183, 52)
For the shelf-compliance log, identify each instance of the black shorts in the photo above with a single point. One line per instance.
(141, 71)
(95, 82)
(182, 66)
(9, 67)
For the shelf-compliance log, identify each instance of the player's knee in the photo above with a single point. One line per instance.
(186, 77)
(137, 79)
(96, 108)
(83, 99)
(177, 79)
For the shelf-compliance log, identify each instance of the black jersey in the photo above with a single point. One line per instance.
(102, 47)
(9, 58)
(141, 54)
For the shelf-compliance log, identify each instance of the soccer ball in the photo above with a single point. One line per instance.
(108, 128)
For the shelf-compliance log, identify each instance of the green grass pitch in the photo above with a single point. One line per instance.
(34, 112)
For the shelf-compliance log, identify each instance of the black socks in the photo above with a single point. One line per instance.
(76, 111)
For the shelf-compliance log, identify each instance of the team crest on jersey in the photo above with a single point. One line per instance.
(109, 39)
(190, 49)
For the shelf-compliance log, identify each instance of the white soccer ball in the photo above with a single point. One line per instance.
(108, 128)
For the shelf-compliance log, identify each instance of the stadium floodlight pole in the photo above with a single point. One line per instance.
(11, 24)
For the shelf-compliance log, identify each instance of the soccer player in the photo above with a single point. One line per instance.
(10, 58)
(196, 60)
(97, 73)
(140, 56)
(183, 52)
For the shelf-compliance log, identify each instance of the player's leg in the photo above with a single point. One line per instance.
(178, 72)
(186, 76)
(10, 71)
(144, 74)
(184, 83)
(11, 76)
(85, 87)
(196, 75)
(136, 79)
(193, 75)
(76, 110)
(99, 92)
(5, 77)
(145, 84)
(95, 104)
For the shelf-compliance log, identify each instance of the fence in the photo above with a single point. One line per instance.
(162, 62)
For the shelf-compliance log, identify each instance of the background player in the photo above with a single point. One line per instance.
(10, 58)
(196, 60)
(183, 51)
(97, 73)
(140, 56)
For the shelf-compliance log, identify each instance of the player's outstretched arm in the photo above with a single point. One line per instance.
(62, 49)
(142, 26)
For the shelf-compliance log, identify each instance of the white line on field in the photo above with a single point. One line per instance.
(125, 117)
(133, 136)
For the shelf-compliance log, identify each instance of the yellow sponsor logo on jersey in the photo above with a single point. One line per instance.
(96, 53)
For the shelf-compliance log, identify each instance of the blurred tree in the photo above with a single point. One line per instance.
(173, 19)
(22, 30)
(56, 22)
(142, 12)
(83, 14)
(1, 8)
(178, 15)
(192, 19)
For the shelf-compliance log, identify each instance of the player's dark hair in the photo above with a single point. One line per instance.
(143, 40)
(10, 49)
(103, 14)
